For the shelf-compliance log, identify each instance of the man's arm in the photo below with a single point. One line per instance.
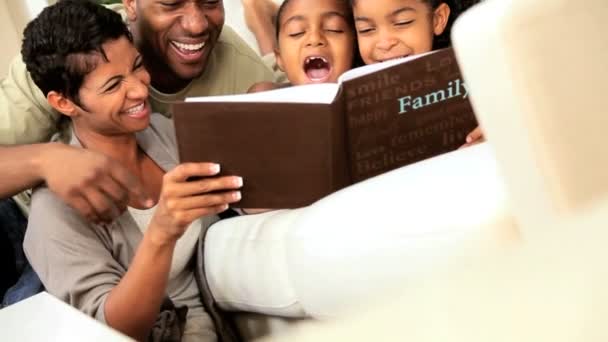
(20, 167)
(95, 185)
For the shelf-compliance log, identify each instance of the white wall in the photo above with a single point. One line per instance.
(14, 15)
(236, 20)
(10, 38)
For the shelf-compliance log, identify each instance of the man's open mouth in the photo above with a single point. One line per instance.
(189, 51)
(317, 68)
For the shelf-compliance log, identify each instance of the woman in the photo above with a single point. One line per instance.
(82, 57)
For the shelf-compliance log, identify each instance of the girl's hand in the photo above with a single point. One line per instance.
(475, 137)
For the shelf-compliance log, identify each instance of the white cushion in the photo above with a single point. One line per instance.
(539, 90)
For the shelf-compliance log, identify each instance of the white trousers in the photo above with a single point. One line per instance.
(359, 242)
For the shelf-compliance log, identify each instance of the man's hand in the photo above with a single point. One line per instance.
(95, 185)
(183, 201)
(475, 137)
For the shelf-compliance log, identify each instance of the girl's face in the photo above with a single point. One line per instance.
(114, 96)
(389, 29)
(316, 41)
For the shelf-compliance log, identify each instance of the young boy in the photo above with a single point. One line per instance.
(315, 41)
(390, 29)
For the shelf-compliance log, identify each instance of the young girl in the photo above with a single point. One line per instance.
(315, 41)
(390, 29)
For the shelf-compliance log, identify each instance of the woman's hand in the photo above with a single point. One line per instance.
(183, 200)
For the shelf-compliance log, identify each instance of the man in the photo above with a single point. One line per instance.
(188, 52)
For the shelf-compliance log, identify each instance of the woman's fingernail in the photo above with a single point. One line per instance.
(238, 181)
(215, 168)
(469, 139)
(237, 196)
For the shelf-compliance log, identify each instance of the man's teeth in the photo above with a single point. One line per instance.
(189, 47)
(135, 109)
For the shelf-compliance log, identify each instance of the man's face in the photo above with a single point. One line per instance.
(176, 34)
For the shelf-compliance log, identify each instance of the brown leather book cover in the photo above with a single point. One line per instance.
(291, 150)
(288, 155)
(406, 113)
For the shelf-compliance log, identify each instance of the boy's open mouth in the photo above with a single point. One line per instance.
(317, 68)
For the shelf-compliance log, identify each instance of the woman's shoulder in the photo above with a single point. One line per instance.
(48, 211)
(44, 200)
(161, 128)
(159, 140)
(52, 223)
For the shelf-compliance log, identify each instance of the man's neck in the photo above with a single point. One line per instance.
(165, 81)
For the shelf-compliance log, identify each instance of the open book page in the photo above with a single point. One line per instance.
(371, 68)
(309, 93)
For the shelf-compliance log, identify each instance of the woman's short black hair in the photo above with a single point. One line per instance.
(64, 43)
